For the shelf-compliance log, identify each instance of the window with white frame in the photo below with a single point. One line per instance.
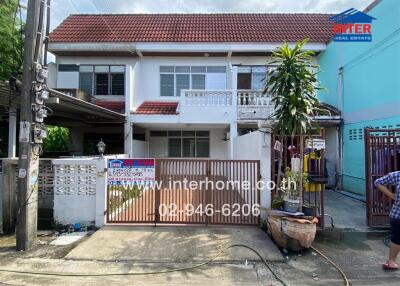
(173, 79)
(102, 80)
(185, 143)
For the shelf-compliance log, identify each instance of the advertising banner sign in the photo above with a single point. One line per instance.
(131, 172)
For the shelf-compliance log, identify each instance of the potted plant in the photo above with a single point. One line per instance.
(290, 188)
(309, 210)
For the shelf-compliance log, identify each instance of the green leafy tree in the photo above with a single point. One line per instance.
(293, 86)
(57, 139)
(11, 42)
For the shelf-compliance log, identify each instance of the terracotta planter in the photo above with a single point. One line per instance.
(291, 233)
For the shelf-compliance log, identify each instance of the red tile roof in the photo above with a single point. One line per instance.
(193, 28)
(117, 106)
(157, 107)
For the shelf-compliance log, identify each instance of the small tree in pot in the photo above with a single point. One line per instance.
(291, 191)
(293, 85)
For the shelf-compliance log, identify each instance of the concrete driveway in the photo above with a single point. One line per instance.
(174, 244)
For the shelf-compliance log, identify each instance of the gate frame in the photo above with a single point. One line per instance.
(383, 217)
(157, 199)
(288, 139)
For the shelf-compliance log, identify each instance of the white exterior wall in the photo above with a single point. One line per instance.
(140, 149)
(257, 146)
(52, 79)
(219, 149)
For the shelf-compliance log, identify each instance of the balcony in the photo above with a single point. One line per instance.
(209, 98)
(253, 105)
(250, 104)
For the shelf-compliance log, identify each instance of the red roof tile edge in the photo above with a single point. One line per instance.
(193, 28)
(157, 107)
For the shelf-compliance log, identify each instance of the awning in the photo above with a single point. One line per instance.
(71, 109)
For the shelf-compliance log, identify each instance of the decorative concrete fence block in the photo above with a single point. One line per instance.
(75, 189)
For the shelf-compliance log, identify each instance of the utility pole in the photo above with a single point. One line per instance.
(32, 131)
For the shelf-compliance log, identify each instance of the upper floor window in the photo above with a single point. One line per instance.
(173, 79)
(102, 80)
(252, 77)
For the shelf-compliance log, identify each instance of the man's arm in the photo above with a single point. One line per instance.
(386, 191)
(382, 183)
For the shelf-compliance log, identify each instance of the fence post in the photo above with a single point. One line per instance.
(157, 163)
(367, 173)
(101, 191)
(9, 196)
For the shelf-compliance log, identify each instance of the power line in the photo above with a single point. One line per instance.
(129, 49)
(363, 56)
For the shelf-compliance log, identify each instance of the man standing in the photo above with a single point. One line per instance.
(392, 179)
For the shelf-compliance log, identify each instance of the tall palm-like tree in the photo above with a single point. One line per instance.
(292, 84)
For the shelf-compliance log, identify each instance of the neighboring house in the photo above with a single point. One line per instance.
(191, 83)
(363, 81)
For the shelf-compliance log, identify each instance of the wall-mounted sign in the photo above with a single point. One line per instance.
(131, 172)
(318, 144)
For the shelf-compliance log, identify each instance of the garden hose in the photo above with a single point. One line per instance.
(347, 283)
(151, 272)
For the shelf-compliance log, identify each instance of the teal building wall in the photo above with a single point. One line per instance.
(368, 89)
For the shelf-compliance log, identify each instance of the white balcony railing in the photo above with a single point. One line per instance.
(250, 104)
(253, 104)
(206, 97)
(252, 98)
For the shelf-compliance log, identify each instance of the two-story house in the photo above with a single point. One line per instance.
(188, 83)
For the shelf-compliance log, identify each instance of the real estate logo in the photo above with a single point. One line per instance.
(352, 26)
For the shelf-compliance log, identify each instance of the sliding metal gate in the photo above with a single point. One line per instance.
(382, 156)
(193, 192)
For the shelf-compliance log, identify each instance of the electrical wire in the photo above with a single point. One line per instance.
(151, 272)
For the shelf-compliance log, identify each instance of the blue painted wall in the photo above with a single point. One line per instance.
(370, 87)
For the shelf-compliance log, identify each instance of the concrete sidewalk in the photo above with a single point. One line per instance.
(174, 244)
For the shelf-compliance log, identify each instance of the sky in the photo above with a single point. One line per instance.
(62, 8)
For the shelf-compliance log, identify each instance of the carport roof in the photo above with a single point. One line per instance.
(66, 110)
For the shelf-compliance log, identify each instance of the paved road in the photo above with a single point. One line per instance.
(360, 256)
